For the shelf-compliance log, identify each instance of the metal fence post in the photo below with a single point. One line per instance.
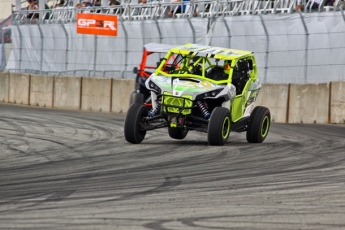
(20, 48)
(41, 51)
(159, 31)
(3, 56)
(342, 12)
(126, 47)
(66, 52)
(193, 30)
(228, 30)
(267, 47)
(306, 47)
(95, 55)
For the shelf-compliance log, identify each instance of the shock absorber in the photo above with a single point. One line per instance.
(155, 110)
(203, 108)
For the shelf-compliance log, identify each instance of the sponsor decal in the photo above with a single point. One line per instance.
(97, 24)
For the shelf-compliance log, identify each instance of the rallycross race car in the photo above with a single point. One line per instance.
(209, 89)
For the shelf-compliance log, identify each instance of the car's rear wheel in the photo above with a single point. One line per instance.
(133, 130)
(136, 98)
(177, 133)
(218, 130)
(259, 125)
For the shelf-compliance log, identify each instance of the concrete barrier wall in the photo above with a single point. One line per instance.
(337, 101)
(96, 94)
(121, 92)
(4, 86)
(67, 92)
(19, 85)
(274, 97)
(309, 103)
(41, 90)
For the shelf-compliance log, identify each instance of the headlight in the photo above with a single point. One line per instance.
(209, 94)
(154, 87)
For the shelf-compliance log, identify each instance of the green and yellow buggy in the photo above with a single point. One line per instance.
(207, 89)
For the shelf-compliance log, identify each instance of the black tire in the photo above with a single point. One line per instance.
(218, 130)
(137, 98)
(259, 125)
(178, 134)
(132, 130)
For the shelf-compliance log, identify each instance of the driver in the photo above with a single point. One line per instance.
(227, 67)
(220, 72)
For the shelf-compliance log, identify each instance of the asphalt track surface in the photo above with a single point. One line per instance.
(74, 170)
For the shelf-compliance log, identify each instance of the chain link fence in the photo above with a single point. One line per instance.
(290, 48)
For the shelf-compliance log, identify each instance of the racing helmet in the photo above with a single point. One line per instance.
(227, 66)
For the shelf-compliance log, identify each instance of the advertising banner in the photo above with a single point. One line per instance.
(98, 24)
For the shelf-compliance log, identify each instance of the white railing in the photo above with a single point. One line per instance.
(160, 9)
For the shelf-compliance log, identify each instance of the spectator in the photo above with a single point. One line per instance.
(97, 3)
(315, 5)
(32, 6)
(180, 9)
(329, 3)
(60, 4)
(114, 3)
(341, 4)
(84, 4)
(117, 10)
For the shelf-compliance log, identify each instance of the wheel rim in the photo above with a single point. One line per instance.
(265, 126)
(226, 128)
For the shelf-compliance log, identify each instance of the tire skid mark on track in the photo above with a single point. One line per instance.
(31, 202)
(168, 184)
(295, 175)
(19, 130)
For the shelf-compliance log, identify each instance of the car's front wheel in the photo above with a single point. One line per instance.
(218, 130)
(136, 98)
(133, 130)
(259, 124)
(178, 134)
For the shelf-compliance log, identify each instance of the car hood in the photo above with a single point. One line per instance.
(179, 86)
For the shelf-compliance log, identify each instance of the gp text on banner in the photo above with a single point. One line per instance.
(97, 24)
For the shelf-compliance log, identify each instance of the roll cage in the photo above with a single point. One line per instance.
(183, 66)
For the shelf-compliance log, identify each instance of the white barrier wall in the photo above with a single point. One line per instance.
(337, 102)
(96, 94)
(41, 90)
(4, 86)
(67, 92)
(274, 97)
(121, 92)
(308, 103)
(19, 85)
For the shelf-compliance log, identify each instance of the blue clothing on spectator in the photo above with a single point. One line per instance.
(183, 7)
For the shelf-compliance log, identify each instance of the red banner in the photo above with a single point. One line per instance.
(97, 24)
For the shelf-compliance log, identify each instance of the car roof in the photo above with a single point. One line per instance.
(210, 51)
(158, 48)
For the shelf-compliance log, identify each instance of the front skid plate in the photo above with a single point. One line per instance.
(159, 121)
